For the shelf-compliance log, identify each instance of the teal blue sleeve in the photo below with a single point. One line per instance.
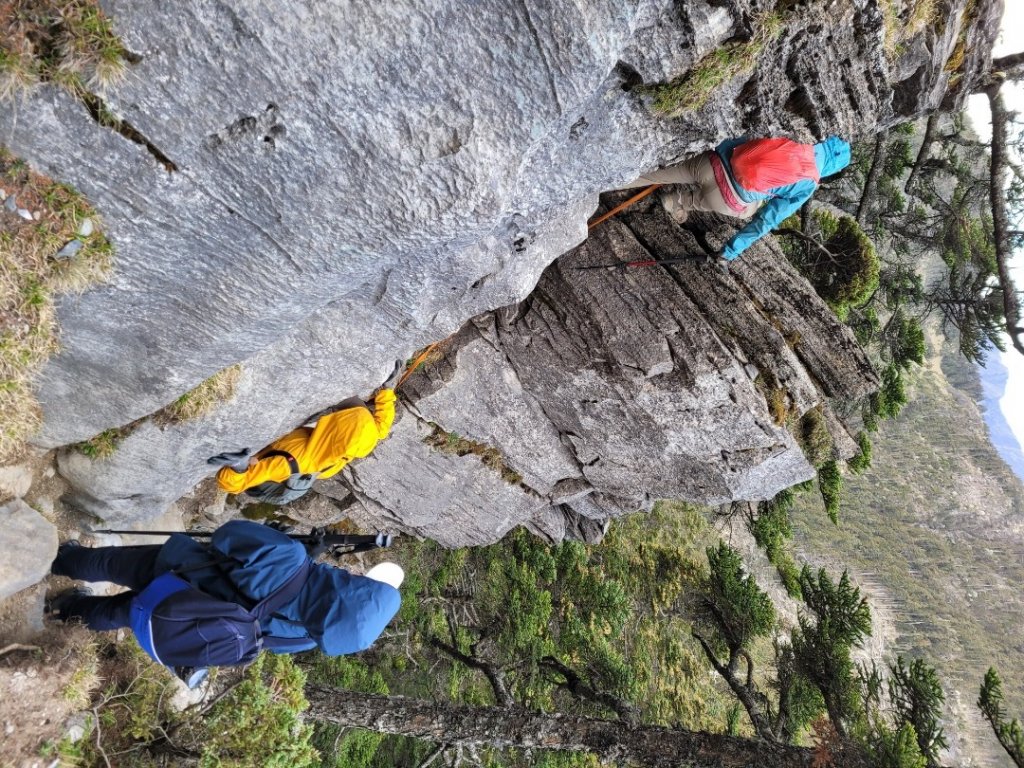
(726, 147)
(785, 202)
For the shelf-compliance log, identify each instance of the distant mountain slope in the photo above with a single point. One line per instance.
(937, 524)
(994, 376)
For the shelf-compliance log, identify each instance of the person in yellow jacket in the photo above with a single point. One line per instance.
(323, 449)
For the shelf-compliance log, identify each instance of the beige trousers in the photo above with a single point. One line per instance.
(695, 188)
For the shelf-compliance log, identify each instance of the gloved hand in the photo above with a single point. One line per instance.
(315, 544)
(718, 262)
(392, 381)
(279, 525)
(237, 460)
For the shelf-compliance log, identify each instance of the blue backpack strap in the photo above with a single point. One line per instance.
(144, 603)
(288, 644)
(285, 593)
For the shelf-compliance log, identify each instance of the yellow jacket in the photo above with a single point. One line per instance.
(336, 439)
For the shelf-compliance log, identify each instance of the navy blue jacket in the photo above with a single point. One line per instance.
(336, 611)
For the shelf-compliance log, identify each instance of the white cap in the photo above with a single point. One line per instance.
(388, 573)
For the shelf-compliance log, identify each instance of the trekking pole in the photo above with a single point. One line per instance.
(621, 265)
(623, 206)
(418, 362)
(360, 542)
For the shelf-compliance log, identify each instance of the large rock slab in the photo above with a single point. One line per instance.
(349, 182)
(29, 544)
(607, 390)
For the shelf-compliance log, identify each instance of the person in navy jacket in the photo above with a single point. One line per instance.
(336, 611)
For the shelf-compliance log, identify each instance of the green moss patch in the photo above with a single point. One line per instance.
(692, 90)
(451, 443)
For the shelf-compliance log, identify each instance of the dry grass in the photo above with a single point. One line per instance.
(775, 397)
(692, 90)
(200, 401)
(104, 444)
(451, 443)
(85, 679)
(194, 404)
(30, 278)
(69, 42)
(956, 59)
(903, 20)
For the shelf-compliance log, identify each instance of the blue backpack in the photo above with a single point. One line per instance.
(180, 626)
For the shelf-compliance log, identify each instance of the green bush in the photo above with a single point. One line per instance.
(861, 461)
(830, 484)
(741, 610)
(259, 721)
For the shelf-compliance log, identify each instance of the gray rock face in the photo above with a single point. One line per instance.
(327, 188)
(29, 544)
(15, 481)
(606, 391)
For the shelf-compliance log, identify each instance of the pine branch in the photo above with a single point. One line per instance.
(577, 687)
(493, 674)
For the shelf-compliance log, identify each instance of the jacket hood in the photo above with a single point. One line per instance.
(831, 155)
(344, 612)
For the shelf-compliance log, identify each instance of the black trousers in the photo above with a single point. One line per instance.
(132, 567)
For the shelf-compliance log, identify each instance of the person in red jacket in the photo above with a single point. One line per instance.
(763, 181)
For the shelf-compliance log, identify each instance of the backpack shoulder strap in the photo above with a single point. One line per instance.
(293, 465)
(283, 594)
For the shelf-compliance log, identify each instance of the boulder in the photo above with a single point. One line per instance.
(29, 544)
(15, 481)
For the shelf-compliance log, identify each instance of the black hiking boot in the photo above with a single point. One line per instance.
(56, 607)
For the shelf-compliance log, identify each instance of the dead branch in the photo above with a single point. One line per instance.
(577, 687)
(494, 675)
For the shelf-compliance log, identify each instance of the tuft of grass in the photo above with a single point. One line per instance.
(67, 42)
(102, 445)
(200, 401)
(956, 59)
(30, 279)
(85, 679)
(692, 90)
(776, 397)
(811, 432)
(903, 21)
(453, 444)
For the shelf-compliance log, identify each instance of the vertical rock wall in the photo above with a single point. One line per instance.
(323, 188)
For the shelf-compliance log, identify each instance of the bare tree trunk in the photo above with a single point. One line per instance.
(515, 727)
(922, 154)
(871, 182)
(752, 700)
(1000, 223)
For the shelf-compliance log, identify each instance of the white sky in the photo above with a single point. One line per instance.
(1009, 41)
